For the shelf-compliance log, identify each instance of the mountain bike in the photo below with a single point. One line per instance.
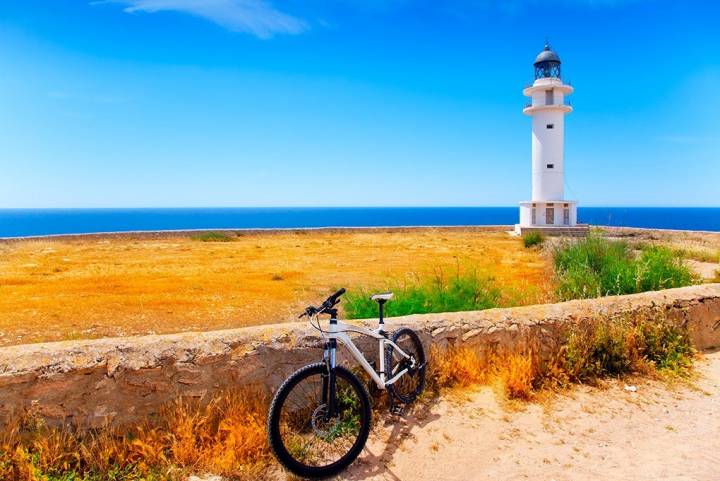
(320, 417)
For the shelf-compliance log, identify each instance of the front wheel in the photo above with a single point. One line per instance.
(305, 438)
(412, 383)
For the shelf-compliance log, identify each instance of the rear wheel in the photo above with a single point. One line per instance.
(303, 437)
(409, 386)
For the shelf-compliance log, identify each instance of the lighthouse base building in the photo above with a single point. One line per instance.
(548, 211)
(548, 215)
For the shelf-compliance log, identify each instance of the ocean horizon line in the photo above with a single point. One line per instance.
(16, 223)
(324, 228)
(514, 206)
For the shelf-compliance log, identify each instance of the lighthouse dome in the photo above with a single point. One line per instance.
(547, 64)
(547, 55)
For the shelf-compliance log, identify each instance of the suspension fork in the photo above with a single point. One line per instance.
(329, 392)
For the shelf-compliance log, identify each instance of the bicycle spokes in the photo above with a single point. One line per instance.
(313, 435)
(409, 386)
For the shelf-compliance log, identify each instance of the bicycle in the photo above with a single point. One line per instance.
(320, 417)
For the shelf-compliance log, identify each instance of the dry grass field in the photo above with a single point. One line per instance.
(98, 286)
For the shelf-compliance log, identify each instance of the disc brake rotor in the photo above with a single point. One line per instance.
(321, 426)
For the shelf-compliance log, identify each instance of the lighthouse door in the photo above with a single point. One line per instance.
(550, 215)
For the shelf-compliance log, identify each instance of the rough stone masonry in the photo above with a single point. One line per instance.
(121, 380)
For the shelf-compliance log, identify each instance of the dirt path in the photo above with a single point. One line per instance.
(656, 433)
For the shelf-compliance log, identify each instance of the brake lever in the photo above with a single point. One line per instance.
(310, 311)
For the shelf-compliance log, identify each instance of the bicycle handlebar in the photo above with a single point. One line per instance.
(334, 298)
(329, 303)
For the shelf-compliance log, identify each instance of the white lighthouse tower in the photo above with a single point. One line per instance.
(548, 211)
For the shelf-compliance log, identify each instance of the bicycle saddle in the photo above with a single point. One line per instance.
(383, 296)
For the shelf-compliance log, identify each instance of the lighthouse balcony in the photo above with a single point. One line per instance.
(548, 83)
(531, 108)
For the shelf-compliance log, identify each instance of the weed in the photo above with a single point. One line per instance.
(595, 266)
(519, 375)
(457, 367)
(612, 347)
(717, 276)
(596, 349)
(532, 239)
(700, 255)
(212, 237)
(647, 343)
(461, 292)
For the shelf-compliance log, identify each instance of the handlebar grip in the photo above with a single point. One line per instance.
(328, 304)
(332, 300)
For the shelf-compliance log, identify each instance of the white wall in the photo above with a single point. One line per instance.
(547, 148)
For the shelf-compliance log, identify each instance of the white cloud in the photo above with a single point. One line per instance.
(256, 17)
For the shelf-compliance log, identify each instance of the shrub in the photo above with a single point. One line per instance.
(462, 292)
(613, 347)
(664, 344)
(213, 237)
(532, 239)
(595, 350)
(596, 266)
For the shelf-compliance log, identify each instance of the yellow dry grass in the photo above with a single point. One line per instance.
(516, 374)
(60, 289)
(225, 437)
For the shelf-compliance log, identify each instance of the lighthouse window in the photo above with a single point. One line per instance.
(550, 166)
(550, 126)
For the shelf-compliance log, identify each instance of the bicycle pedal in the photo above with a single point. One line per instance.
(397, 410)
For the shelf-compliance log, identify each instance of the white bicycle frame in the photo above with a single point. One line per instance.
(338, 330)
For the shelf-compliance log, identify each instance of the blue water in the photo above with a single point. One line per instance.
(31, 222)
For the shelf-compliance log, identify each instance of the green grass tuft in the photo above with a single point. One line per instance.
(462, 292)
(213, 237)
(532, 239)
(595, 266)
(700, 255)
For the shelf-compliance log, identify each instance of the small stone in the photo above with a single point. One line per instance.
(471, 333)
(437, 331)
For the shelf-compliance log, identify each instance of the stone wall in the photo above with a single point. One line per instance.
(90, 383)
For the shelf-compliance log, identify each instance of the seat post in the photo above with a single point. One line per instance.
(381, 303)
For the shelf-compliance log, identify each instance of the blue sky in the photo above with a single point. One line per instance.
(134, 103)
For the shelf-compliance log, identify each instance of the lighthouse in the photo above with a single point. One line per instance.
(548, 211)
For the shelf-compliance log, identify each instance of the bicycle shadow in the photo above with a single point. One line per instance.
(377, 463)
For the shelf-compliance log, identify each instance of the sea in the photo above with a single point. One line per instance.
(42, 222)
